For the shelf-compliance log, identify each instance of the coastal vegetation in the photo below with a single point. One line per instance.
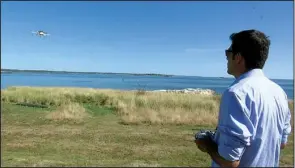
(70, 72)
(101, 127)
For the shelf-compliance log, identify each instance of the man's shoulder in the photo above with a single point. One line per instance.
(253, 87)
(239, 88)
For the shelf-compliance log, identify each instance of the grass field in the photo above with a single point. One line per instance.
(88, 127)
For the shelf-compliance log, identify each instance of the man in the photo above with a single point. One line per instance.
(254, 117)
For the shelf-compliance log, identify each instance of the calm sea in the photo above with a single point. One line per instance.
(125, 82)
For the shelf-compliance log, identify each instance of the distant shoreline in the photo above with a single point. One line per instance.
(7, 71)
(72, 72)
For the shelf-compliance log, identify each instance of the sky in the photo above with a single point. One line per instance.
(179, 38)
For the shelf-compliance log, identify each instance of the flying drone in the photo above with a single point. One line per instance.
(41, 33)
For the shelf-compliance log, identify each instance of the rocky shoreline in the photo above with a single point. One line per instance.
(189, 91)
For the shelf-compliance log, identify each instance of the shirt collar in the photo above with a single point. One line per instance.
(252, 73)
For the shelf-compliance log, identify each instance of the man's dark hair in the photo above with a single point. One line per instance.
(253, 46)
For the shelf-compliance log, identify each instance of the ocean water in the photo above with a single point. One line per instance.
(125, 81)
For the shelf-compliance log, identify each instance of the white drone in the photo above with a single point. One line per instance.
(41, 33)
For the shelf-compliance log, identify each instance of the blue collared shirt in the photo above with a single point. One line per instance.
(254, 119)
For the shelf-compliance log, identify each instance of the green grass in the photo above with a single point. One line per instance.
(88, 128)
(28, 139)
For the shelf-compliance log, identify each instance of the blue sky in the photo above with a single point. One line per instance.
(181, 38)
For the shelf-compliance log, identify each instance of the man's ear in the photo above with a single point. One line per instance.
(238, 58)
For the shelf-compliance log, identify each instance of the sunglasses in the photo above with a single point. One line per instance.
(228, 51)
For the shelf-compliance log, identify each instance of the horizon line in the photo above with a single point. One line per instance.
(162, 74)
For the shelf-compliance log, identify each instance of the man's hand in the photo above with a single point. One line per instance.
(202, 144)
(283, 145)
(207, 145)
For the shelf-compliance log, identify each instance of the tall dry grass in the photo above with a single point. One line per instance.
(71, 111)
(168, 108)
(132, 107)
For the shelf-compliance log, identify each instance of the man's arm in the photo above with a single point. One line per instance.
(212, 150)
(234, 132)
(286, 130)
